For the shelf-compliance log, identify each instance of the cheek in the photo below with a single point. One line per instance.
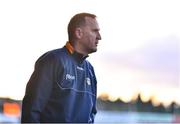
(91, 40)
(92, 36)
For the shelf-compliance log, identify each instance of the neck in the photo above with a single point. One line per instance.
(78, 48)
(76, 54)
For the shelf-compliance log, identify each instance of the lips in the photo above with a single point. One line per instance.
(96, 43)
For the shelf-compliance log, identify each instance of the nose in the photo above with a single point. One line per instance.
(98, 36)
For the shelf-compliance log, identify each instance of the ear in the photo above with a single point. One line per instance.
(78, 33)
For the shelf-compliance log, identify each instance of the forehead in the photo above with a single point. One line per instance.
(92, 22)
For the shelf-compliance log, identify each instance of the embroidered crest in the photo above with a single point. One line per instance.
(88, 81)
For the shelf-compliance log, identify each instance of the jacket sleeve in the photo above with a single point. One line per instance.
(38, 90)
(94, 109)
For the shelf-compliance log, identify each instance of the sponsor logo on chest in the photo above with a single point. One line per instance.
(70, 77)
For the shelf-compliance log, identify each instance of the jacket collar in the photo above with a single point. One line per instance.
(78, 56)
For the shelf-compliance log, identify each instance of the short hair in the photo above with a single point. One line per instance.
(77, 21)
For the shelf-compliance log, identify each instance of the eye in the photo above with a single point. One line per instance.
(96, 30)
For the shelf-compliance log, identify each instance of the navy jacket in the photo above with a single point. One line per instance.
(62, 88)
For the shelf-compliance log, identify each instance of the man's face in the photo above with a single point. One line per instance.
(91, 35)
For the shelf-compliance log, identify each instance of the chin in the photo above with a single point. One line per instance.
(93, 50)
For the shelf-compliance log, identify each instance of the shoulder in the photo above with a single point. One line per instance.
(51, 56)
(91, 71)
(89, 65)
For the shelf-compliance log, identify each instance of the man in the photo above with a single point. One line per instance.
(62, 87)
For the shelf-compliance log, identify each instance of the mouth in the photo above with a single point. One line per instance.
(96, 43)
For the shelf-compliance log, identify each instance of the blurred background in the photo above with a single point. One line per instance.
(137, 64)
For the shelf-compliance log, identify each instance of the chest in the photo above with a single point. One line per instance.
(78, 78)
